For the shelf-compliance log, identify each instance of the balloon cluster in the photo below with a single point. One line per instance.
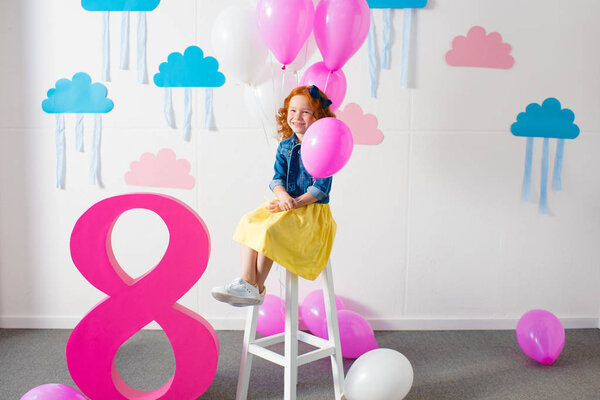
(242, 36)
(340, 27)
(356, 335)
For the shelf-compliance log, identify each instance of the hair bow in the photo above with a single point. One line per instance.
(315, 93)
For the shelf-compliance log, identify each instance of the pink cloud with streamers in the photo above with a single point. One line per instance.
(480, 50)
(363, 126)
(160, 170)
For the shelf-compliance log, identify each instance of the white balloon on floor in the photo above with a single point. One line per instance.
(380, 374)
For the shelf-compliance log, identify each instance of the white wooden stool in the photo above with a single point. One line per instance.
(291, 360)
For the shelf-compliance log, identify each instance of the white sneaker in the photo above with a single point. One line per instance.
(239, 293)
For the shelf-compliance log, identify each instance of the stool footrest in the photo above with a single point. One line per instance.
(267, 354)
(314, 340)
(270, 340)
(315, 355)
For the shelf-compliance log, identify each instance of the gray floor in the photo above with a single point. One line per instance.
(447, 365)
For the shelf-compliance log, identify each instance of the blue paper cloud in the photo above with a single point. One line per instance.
(78, 96)
(397, 3)
(119, 5)
(191, 69)
(547, 121)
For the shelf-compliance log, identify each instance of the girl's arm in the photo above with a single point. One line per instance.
(286, 202)
(305, 200)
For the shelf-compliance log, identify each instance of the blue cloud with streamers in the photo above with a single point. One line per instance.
(79, 96)
(119, 5)
(547, 121)
(397, 3)
(190, 69)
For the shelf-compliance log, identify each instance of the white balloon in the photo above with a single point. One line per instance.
(264, 99)
(240, 50)
(380, 374)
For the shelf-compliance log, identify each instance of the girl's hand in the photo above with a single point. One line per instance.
(287, 203)
(273, 207)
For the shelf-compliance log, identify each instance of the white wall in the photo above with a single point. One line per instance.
(432, 233)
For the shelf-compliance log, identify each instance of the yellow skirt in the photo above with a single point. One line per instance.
(299, 239)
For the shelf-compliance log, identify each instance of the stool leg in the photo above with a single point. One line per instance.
(246, 363)
(291, 336)
(337, 365)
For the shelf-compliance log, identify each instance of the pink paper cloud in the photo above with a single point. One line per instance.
(480, 50)
(363, 126)
(160, 170)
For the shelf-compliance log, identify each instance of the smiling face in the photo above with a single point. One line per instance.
(300, 115)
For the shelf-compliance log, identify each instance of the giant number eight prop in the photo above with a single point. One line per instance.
(133, 303)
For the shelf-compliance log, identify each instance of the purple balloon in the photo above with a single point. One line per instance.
(356, 335)
(326, 147)
(334, 85)
(313, 314)
(541, 336)
(271, 316)
(53, 391)
(285, 26)
(341, 27)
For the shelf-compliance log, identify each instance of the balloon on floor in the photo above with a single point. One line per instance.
(53, 391)
(541, 336)
(381, 374)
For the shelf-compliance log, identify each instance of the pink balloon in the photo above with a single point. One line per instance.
(356, 335)
(312, 311)
(334, 85)
(271, 316)
(326, 147)
(53, 391)
(341, 27)
(285, 26)
(541, 336)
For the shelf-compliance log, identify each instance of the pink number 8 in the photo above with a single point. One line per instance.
(133, 303)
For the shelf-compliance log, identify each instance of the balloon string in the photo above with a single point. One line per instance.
(326, 82)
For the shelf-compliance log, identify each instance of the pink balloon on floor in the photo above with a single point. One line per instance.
(312, 311)
(285, 26)
(541, 336)
(53, 391)
(271, 316)
(356, 335)
(333, 85)
(326, 147)
(341, 27)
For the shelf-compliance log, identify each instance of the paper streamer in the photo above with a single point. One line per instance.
(106, 46)
(208, 108)
(372, 47)
(558, 161)
(544, 187)
(386, 33)
(95, 163)
(406, 39)
(187, 114)
(60, 151)
(142, 67)
(168, 108)
(79, 133)
(124, 64)
(527, 175)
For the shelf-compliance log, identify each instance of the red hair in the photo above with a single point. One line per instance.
(319, 112)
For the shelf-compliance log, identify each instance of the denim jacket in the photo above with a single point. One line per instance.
(291, 174)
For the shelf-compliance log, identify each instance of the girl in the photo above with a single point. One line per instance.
(297, 229)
